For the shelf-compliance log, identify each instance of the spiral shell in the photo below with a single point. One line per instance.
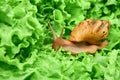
(90, 31)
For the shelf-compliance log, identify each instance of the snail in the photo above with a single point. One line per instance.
(88, 36)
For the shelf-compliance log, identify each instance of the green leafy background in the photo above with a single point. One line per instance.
(25, 40)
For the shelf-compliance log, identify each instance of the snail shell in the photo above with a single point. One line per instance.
(90, 31)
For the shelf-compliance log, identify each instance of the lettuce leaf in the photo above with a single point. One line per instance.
(25, 40)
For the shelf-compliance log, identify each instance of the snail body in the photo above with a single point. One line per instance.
(72, 47)
(83, 37)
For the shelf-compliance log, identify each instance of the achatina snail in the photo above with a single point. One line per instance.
(88, 36)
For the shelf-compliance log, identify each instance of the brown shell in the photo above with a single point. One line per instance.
(90, 31)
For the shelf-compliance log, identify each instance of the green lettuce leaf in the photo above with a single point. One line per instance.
(26, 40)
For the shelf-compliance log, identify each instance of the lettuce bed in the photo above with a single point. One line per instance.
(25, 40)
